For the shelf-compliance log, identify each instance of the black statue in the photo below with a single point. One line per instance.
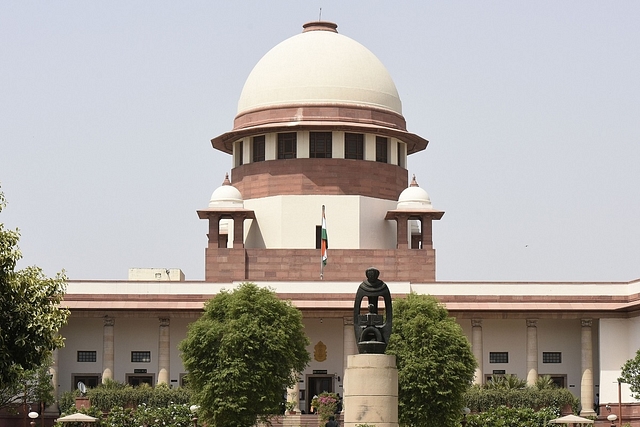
(372, 329)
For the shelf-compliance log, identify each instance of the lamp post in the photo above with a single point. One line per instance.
(465, 412)
(33, 415)
(612, 418)
(194, 411)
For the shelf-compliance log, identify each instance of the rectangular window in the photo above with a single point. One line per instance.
(499, 357)
(354, 146)
(183, 380)
(382, 146)
(287, 145)
(320, 145)
(559, 380)
(86, 356)
(551, 357)
(141, 356)
(240, 153)
(258, 148)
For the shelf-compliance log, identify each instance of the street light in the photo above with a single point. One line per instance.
(465, 412)
(194, 411)
(612, 418)
(33, 415)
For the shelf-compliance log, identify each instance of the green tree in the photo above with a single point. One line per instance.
(32, 386)
(631, 375)
(31, 312)
(242, 354)
(435, 362)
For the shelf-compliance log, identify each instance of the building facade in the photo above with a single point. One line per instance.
(320, 126)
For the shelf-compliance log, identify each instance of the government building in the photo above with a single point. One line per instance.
(319, 127)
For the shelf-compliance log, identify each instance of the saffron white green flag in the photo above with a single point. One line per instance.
(324, 242)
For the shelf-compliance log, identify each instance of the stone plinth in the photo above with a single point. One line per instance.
(371, 390)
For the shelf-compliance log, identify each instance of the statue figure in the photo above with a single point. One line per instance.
(372, 329)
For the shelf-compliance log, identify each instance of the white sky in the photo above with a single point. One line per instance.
(532, 110)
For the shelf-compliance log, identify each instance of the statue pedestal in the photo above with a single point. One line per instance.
(371, 390)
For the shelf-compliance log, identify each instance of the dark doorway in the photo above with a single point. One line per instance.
(317, 384)
(136, 380)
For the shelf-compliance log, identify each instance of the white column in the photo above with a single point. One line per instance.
(293, 394)
(348, 341)
(586, 384)
(53, 371)
(532, 351)
(108, 354)
(476, 346)
(164, 351)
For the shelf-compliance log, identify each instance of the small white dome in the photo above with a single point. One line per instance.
(414, 197)
(319, 66)
(226, 196)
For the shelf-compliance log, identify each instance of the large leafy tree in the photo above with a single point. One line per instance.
(32, 386)
(30, 308)
(435, 362)
(242, 354)
(631, 375)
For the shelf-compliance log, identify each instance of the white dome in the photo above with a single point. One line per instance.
(226, 196)
(319, 66)
(414, 197)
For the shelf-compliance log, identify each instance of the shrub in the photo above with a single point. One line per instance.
(480, 399)
(503, 416)
(112, 395)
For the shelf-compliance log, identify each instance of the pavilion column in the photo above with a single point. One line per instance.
(108, 353)
(476, 346)
(532, 351)
(164, 351)
(238, 231)
(586, 384)
(427, 232)
(214, 230)
(403, 231)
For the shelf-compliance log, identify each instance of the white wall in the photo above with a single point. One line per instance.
(563, 335)
(353, 222)
(84, 334)
(135, 334)
(329, 331)
(178, 332)
(508, 335)
(619, 340)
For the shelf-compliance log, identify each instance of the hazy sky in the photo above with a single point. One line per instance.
(532, 110)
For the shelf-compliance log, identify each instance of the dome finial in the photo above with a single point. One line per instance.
(226, 179)
(414, 183)
(320, 26)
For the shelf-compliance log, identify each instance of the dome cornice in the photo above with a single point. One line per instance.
(224, 142)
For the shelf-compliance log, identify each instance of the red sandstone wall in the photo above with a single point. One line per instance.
(226, 265)
(320, 176)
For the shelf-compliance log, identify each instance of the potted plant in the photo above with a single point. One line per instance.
(290, 406)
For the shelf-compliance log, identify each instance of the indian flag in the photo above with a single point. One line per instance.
(324, 242)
